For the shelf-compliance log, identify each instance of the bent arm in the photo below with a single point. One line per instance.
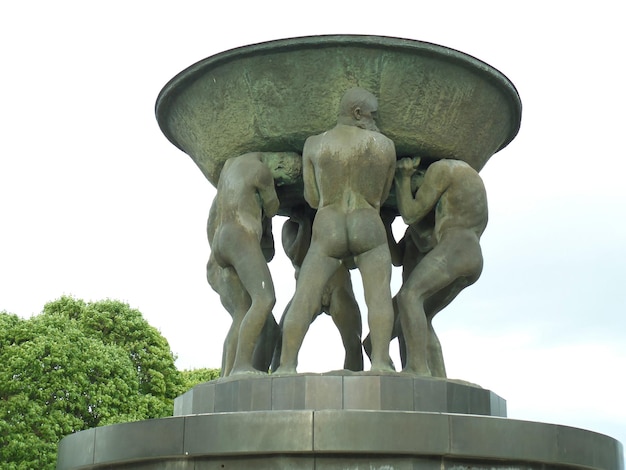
(388, 183)
(311, 191)
(404, 196)
(396, 249)
(267, 240)
(296, 237)
(415, 209)
(267, 194)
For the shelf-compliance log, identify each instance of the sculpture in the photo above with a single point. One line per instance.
(337, 299)
(348, 172)
(236, 301)
(436, 102)
(240, 216)
(446, 219)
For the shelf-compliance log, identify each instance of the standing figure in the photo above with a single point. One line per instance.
(406, 253)
(347, 172)
(448, 257)
(236, 301)
(337, 300)
(241, 213)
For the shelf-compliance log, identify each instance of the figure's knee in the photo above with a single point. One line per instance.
(407, 298)
(264, 300)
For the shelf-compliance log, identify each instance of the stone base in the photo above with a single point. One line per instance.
(338, 438)
(342, 390)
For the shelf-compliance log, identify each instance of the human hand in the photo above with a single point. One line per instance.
(407, 166)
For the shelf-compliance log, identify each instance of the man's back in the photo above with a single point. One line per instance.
(239, 192)
(463, 202)
(353, 167)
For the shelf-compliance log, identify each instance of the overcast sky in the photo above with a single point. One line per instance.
(96, 203)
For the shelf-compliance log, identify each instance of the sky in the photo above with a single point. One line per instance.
(96, 203)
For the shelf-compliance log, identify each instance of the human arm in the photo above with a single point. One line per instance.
(296, 235)
(311, 191)
(390, 151)
(396, 249)
(267, 194)
(267, 240)
(404, 196)
(413, 209)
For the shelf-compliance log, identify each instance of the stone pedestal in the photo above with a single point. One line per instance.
(335, 421)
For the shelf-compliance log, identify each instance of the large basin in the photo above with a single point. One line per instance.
(434, 102)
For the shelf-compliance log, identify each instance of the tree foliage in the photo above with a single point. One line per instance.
(115, 323)
(79, 365)
(197, 376)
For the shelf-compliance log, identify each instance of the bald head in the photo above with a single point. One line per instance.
(358, 107)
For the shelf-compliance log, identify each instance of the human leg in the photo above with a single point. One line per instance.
(375, 268)
(235, 300)
(314, 274)
(345, 312)
(255, 276)
(464, 267)
(429, 276)
(266, 344)
(414, 330)
(279, 341)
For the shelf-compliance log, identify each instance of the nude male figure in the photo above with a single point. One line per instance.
(245, 198)
(236, 301)
(337, 300)
(448, 256)
(406, 253)
(347, 173)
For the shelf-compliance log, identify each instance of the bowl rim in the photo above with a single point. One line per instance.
(178, 83)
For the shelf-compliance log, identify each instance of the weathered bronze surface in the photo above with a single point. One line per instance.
(441, 254)
(330, 137)
(347, 172)
(260, 123)
(337, 298)
(435, 102)
(239, 230)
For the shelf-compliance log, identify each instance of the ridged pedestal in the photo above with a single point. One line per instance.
(336, 421)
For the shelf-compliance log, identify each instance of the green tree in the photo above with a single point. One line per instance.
(194, 377)
(114, 322)
(55, 380)
(79, 365)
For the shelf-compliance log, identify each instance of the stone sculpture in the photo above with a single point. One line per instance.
(436, 102)
(337, 299)
(347, 172)
(398, 250)
(241, 214)
(236, 301)
(446, 219)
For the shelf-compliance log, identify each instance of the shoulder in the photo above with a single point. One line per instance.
(312, 142)
(453, 164)
(445, 165)
(382, 141)
(439, 173)
(452, 171)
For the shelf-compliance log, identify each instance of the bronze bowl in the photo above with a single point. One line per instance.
(434, 102)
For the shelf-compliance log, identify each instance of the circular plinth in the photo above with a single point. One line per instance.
(339, 391)
(337, 440)
(434, 102)
(317, 434)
